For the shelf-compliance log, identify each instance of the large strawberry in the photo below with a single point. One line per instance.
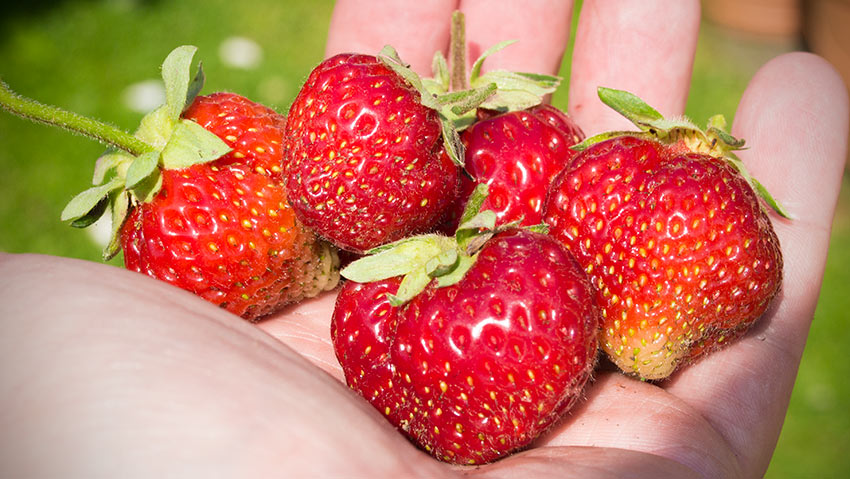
(202, 206)
(366, 161)
(493, 338)
(670, 228)
(517, 154)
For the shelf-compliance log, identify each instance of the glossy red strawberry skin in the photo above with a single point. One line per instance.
(254, 131)
(365, 160)
(490, 363)
(682, 256)
(229, 236)
(362, 329)
(224, 230)
(517, 154)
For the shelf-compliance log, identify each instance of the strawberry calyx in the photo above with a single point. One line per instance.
(457, 98)
(513, 91)
(449, 105)
(431, 257)
(714, 140)
(129, 172)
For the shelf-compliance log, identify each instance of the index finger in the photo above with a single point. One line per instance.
(644, 47)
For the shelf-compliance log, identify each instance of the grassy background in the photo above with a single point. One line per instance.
(83, 54)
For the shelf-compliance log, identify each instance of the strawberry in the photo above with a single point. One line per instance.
(481, 347)
(253, 131)
(366, 162)
(228, 235)
(197, 200)
(224, 230)
(512, 142)
(517, 154)
(669, 227)
(362, 329)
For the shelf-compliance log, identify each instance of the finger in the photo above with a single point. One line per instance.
(624, 413)
(306, 328)
(644, 47)
(416, 29)
(794, 116)
(540, 27)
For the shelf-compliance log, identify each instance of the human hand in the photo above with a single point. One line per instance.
(721, 416)
(117, 383)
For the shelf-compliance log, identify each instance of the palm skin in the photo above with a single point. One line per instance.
(103, 380)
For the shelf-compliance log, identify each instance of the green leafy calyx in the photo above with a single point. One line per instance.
(458, 98)
(714, 140)
(512, 91)
(448, 105)
(423, 259)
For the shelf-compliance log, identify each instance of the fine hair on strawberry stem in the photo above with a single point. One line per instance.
(55, 116)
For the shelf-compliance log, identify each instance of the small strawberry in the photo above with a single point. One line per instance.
(192, 211)
(517, 154)
(513, 142)
(668, 225)
(486, 341)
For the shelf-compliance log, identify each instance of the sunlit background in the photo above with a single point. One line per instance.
(101, 58)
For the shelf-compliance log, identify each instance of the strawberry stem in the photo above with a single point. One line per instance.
(55, 116)
(457, 52)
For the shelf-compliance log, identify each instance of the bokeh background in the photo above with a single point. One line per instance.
(101, 58)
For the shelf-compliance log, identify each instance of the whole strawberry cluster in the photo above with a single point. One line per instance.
(476, 336)
(497, 249)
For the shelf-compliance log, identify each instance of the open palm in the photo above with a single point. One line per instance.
(180, 388)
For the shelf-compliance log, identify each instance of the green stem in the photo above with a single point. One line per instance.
(457, 52)
(51, 115)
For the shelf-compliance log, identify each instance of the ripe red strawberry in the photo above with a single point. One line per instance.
(228, 235)
(366, 163)
(482, 361)
(362, 331)
(517, 154)
(253, 131)
(192, 211)
(224, 230)
(683, 256)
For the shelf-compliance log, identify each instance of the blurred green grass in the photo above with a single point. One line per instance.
(83, 54)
